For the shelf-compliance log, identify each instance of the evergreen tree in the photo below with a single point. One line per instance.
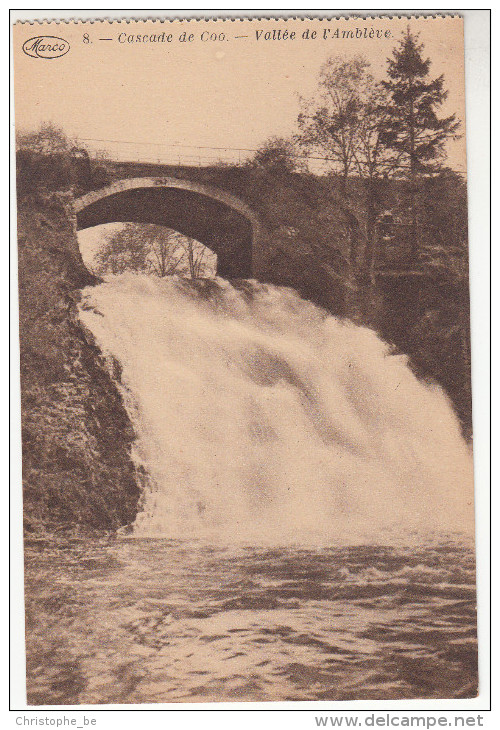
(412, 126)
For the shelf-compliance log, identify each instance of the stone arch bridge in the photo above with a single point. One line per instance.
(219, 220)
(291, 235)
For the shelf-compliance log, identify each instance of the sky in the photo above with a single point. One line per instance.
(232, 93)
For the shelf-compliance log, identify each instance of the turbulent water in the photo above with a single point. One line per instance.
(307, 521)
(261, 418)
(158, 620)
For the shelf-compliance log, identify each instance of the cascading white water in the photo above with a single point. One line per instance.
(261, 418)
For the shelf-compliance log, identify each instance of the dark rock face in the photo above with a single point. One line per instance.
(77, 468)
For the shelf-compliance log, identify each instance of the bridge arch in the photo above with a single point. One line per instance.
(220, 221)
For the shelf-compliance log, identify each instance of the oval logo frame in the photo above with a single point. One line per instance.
(46, 46)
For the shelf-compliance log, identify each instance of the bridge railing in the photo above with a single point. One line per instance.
(185, 155)
(167, 154)
(164, 153)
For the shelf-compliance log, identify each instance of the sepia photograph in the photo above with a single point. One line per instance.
(245, 360)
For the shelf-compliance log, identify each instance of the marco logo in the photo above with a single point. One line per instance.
(46, 46)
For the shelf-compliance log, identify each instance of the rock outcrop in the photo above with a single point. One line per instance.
(77, 467)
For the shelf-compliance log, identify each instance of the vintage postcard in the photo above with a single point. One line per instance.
(245, 360)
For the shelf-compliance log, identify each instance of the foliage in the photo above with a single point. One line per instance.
(372, 158)
(442, 201)
(153, 249)
(374, 134)
(412, 127)
(47, 160)
(344, 122)
(440, 339)
(278, 156)
(439, 342)
(330, 121)
(48, 140)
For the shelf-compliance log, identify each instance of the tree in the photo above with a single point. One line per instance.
(47, 140)
(48, 160)
(374, 162)
(439, 342)
(329, 122)
(412, 127)
(443, 200)
(149, 248)
(197, 257)
(277, 156)
(345, 124)
(43, 161)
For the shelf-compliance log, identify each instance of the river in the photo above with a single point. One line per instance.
(156, 620)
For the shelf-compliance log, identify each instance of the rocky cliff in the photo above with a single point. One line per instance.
(77, 468)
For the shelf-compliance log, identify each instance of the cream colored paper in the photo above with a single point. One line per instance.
(247, 451)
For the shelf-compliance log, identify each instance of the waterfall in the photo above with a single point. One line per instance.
(259, 417)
